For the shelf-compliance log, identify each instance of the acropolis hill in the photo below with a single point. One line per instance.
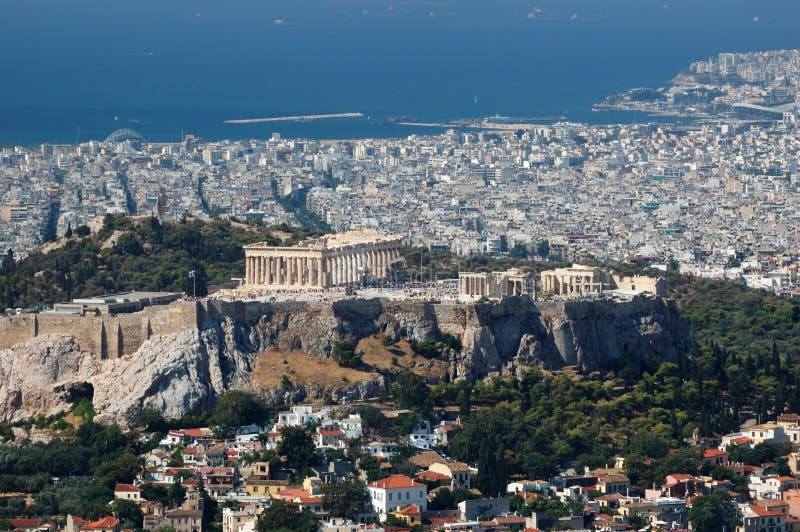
(178, 358)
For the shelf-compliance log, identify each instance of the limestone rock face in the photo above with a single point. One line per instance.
(184, 372)
(176, 375)
(42, 376)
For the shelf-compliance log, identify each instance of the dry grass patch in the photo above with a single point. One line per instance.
(399, 357)
(302, 369)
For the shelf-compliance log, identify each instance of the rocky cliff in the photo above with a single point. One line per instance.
(185, 371)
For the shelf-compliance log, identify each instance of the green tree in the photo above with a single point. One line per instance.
(712, 513)
(283, 517)
(345, 499)
(297, 446)
(344, 354)
(128, 513)
(237, 408)
(410, 391)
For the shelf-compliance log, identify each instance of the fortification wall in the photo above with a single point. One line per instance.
(105, 335)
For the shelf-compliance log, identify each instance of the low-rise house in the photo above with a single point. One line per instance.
(233, 518)
(774, 505)
(537, 486)
(106, 524)
(215, 455)
(715, 457)
(410, 514)
(754, 518)
(257, 487)
(192, 455)
(173, 473)
(184, 519)
(422, 437)
(198, 436)
(666, 509)
(424, 459)
(609, 523)
(610, 501)
(613, 484)
(792, 498)
(74, 523)
(473, 508)
(764, 433)
(396, 491)
(334, 439)
(28, 525)
(352, 426)
(129, 492)
(173, 438)
(457, 472)
(156, 458)
(442, 432)
(769, 487)
(335, 471)
(302, 415)
(378, 449)
(187, 518)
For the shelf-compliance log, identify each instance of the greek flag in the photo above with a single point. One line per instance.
(191, 274)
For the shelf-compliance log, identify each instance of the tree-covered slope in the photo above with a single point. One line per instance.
(128, 254)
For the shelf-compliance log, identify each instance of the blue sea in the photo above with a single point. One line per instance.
(79, 69)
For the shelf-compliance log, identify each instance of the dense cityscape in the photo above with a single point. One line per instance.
(714, 196)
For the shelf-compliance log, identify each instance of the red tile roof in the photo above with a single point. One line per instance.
(395, 481)
(410, 509)
(127, 488)
(432, 475)
(713, 453)
(102, 524)
(25, 523)
(763, 512)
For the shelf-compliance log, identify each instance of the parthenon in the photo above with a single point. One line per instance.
(330, 260)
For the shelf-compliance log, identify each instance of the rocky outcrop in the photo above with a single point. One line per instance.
(38, 377)
(186, 371)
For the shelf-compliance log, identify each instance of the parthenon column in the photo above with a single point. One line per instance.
(313, 272)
